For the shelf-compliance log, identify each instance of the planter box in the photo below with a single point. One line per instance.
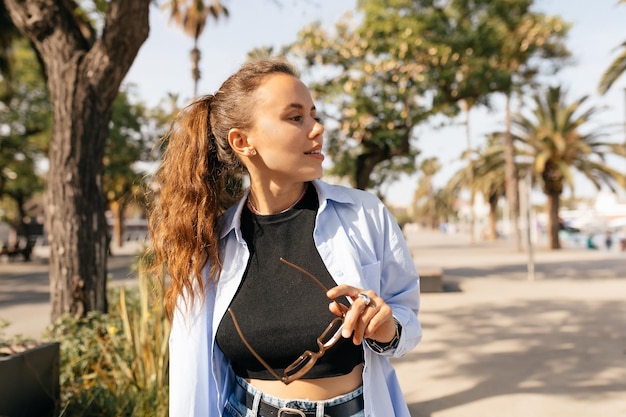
(29, 382)
(431, 279)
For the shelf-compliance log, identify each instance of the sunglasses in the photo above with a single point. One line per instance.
(305, 362)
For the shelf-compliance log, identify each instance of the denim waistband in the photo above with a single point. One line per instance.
(299, 404)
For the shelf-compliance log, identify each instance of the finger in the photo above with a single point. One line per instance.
(378, 324)
(367, 300)
(365, 313)
(363, 323)
(338, 308)
(342, 290)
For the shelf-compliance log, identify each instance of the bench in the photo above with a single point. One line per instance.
(431, 278)
(23, 247)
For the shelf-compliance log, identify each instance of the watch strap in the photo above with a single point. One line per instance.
(381, 347)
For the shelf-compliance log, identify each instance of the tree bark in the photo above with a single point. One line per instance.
(373, 155)
(83, 80)
(553, 221)
(366, 162)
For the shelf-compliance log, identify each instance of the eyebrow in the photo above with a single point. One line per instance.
(299, 106)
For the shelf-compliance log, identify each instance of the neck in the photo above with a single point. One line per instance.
(267, 206)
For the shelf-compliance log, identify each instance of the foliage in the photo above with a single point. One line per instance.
(26, 122)
(131, 132)
(116, 364)
(615, 69)
(192, 16)
(375, 96)
(8, 33)
(487, 167)
(388, 70)
(554, 135)
(529, 43)
(424, 199)
(127, 144)
(557, 135)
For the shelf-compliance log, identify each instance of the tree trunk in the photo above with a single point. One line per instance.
(553, 221)
(75, 205)
(83, 80)
(511, 182)
(493, 217)
(365, 165)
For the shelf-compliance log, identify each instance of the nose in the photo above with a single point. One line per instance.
(317, 130)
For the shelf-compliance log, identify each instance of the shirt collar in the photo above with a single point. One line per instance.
(231, 219)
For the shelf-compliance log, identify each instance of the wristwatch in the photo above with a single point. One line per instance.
(380, 347)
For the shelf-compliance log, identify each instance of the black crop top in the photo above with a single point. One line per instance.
(280, 310)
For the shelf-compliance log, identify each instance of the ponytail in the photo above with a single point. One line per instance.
(194, 188)
(199, 178)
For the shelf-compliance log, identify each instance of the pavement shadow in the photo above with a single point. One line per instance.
(26, 283)
(563, 347)
(572, 269)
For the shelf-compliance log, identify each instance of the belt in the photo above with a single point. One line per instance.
(266, 409)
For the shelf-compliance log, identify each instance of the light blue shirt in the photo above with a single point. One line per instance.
(360, 244)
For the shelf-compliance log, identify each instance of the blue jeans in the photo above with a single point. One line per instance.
(236, 408)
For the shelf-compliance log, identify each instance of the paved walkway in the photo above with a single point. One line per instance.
(25, 292)
(495, 344)
(498, 345)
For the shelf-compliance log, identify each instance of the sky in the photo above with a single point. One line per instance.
(162, 66)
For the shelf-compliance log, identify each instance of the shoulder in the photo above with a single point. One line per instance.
(352, 206)
(346, 195)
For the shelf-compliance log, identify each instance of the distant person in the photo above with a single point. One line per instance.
(258, 275)
(608, 240)
(590, 244)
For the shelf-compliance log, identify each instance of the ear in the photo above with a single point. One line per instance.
(238, 141)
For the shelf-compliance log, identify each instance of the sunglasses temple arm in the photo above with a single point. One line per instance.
(256, 355)
(310, 275)
(305, 272)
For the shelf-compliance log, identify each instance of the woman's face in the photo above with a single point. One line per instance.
(286, 133)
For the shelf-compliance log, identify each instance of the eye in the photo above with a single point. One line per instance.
(297, 118)
(318, 119)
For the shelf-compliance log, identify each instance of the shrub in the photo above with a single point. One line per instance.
(116, 364)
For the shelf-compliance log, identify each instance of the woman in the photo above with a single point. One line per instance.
(295, 265)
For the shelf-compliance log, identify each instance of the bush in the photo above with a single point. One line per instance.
(116, 364)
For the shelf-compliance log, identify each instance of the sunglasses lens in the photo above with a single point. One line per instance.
(302, 364)
(332, 333)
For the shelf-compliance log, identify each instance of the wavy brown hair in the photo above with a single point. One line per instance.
(198, 179)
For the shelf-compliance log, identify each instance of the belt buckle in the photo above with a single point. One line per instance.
(290, 412)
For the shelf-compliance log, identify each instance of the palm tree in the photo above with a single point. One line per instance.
(525, 36)
(488, 177)
(553, 135)
(615, 70)
(192, 16)
(424, 197)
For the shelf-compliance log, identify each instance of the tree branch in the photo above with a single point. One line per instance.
(126, 28)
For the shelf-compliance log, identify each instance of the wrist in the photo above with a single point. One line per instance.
(382, 347)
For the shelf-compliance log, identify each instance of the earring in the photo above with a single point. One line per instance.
(253, 152)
